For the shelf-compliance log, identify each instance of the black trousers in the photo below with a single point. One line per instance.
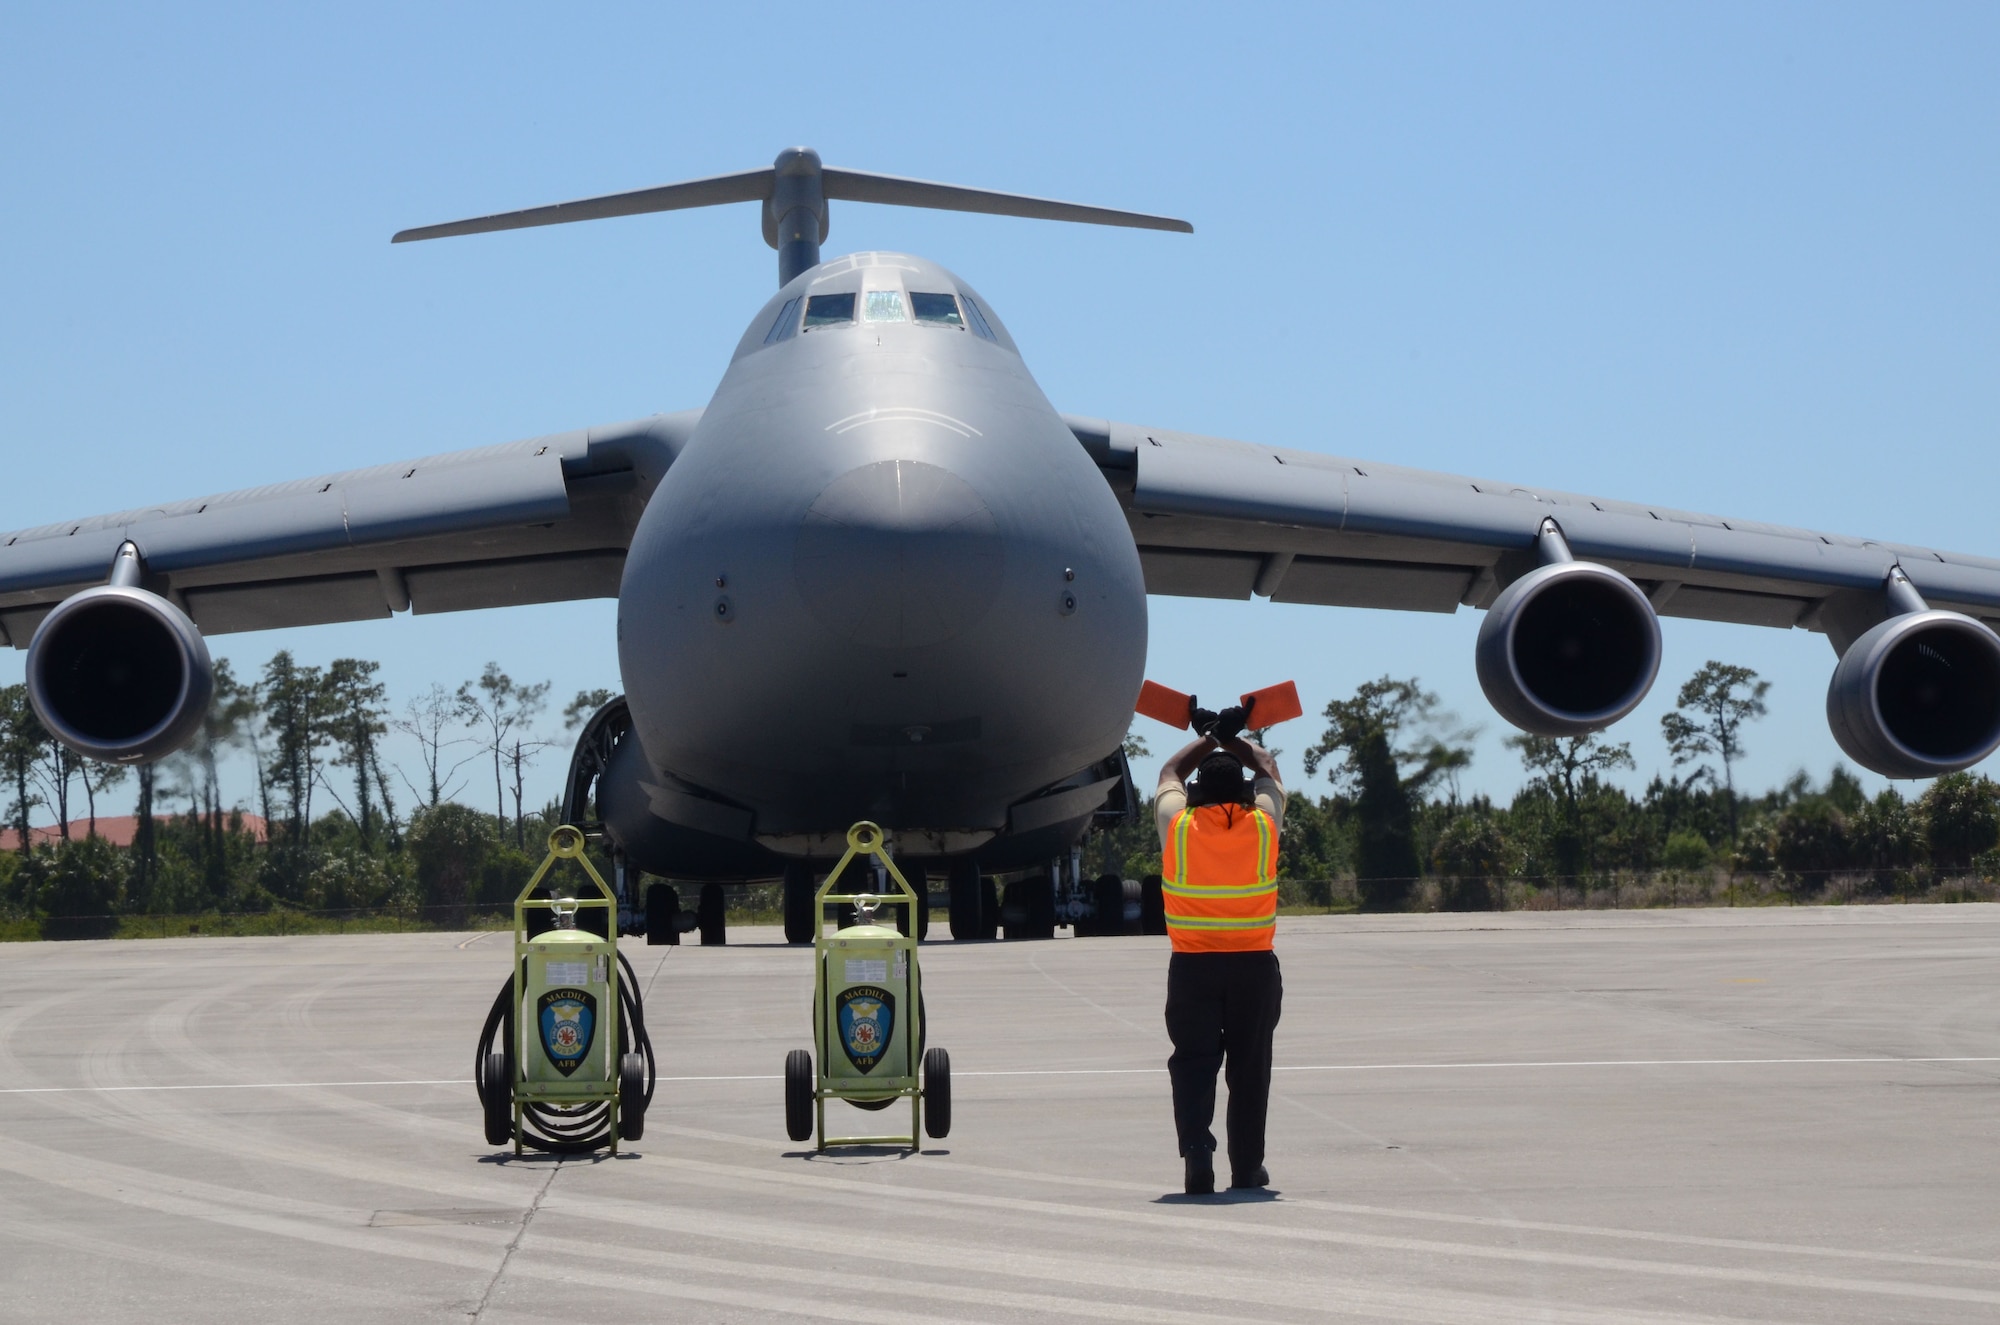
(1223, 1007)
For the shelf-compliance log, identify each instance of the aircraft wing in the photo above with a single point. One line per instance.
(535, 521)
(1226, 519)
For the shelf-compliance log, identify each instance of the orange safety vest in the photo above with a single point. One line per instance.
(1219, 879)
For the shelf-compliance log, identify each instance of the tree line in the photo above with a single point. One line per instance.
(1398, 834)
(344, 828)
(347, 828)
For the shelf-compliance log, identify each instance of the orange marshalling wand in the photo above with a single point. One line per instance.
(1268, 707)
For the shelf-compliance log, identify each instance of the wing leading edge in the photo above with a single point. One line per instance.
(541, 520)
(1223, 519)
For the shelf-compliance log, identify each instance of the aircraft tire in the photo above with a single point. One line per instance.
(1029, 909)
(663, 913)
(1152, 906)
(1013, 913)
(989, 909)
(1041, 908)
(711, 918)
(921, 921)
(799, 915)
(967, 913)
(1109, 895)
(937, 1094)
(799, 1087)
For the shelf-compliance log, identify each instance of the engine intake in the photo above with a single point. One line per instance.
(1918, 695)
(119, 674)
(1569, 648)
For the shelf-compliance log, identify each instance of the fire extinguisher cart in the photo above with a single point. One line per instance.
(563, 1063)
(868, 1013)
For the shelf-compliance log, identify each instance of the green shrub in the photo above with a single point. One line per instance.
(1686, 851)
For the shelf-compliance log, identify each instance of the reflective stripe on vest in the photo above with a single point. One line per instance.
(1219, 879)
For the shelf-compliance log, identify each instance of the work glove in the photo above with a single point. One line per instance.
(1203, 721)
(1230, 722)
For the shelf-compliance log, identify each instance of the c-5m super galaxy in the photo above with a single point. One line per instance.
(880, 576)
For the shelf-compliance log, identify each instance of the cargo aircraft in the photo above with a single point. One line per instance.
(879, 575)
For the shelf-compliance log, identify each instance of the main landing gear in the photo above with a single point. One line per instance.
(1026, 904)
(802, 920)
(666, 921)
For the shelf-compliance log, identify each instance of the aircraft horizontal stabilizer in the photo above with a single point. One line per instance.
(795, 191)
(748, 186)
(895, 191)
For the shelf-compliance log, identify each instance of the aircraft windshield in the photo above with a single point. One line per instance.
(979, 327)
(938, 310)
(785, 324)
(828, 310)
(884, 306)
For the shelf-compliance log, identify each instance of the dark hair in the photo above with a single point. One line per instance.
(1219, 781)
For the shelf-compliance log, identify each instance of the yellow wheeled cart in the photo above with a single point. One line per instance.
(868, 1015)
(564, 1063)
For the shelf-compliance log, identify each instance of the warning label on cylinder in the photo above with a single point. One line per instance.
(867, 1018)
(867, 969)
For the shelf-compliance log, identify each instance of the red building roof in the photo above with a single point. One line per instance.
(120, 830)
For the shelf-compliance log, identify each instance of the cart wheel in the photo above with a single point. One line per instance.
(799, 1087)
(714, 930)
(663, 910)
(497, 1101)
(937, 1094)
(631, 1097)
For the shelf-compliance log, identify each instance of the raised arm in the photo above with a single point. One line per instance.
(1254, 757)
(1183, 761)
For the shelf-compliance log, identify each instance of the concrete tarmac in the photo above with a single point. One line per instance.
(1777, 1115)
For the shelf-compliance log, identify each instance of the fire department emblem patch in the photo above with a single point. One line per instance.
(568, 1020)
(867, 1018)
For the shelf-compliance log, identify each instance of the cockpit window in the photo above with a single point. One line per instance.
(938, 310)
(978, 320)
(829, 310)
(883, 306)
(786, 322)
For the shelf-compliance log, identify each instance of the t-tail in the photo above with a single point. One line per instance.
(796, 191)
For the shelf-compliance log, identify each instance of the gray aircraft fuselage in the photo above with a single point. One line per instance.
(882, 579)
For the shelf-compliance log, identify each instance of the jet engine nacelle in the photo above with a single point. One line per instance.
(1918, 695)
(119, 674)
(1569, 648)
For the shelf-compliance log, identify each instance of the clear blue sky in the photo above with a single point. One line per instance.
(1732, 258)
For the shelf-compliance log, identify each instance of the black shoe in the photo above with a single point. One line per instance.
(1200, 1175)
(1256, 1177)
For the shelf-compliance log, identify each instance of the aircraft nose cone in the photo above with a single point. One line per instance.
(899, 554)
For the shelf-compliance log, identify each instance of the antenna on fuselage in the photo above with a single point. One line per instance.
(795, 191)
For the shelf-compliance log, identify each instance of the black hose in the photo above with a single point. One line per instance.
(562, 1129)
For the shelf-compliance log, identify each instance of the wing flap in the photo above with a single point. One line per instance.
(1336, 582)
(316, 600)
(1187, 573)
(515, 582)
